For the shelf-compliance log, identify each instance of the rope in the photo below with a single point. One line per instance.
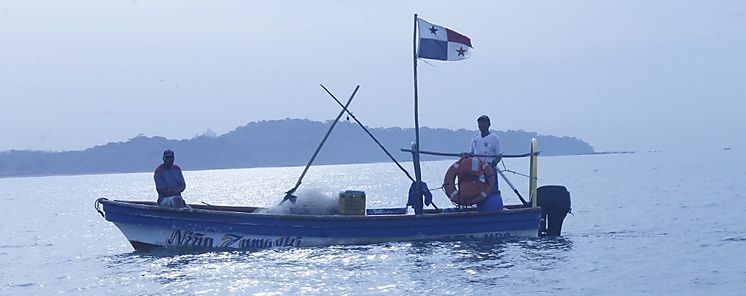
(441, 187)
(516, 173)
(97, 206)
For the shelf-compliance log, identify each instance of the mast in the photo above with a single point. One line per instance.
(416, 146)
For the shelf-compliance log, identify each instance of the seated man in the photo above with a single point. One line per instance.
(487, 143)
(169, 182)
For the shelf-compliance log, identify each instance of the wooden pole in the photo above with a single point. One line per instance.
(368, 132)
(289, 194)
(470, 154)
(418, 206)
(532, 173)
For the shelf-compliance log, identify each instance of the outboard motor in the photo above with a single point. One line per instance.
(554, 201)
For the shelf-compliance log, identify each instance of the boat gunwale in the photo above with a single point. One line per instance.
(225, 211)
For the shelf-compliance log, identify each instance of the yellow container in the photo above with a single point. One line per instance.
(351, 202)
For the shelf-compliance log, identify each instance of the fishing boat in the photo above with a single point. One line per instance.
(209, 227)
(146, 225)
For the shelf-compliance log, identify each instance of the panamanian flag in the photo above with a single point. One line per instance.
(439, 43)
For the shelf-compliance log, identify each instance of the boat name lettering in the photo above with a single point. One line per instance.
(229, 240)
(181, 237)
(263, 243)
(189, 238)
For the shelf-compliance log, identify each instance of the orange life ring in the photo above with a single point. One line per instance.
(476, 180)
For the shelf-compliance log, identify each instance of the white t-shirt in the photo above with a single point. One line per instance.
(489, 145)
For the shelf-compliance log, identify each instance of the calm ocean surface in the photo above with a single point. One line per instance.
(643, 224)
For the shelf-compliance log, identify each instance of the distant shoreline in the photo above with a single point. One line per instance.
(606, 152)
(256, 167)
(274, 143)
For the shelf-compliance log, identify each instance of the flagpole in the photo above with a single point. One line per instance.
(418, 206)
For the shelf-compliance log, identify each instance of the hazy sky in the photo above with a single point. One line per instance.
(622, 75)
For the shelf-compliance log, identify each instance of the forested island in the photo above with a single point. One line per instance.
(287, 142)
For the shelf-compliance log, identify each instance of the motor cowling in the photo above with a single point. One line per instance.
(554, 201)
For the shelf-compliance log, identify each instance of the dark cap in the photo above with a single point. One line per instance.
(483, 117)
(168, 153)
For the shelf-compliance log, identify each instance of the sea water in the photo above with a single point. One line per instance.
(642, 224)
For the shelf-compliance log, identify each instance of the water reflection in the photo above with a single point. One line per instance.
(405, 266)
(163, 268)
(547, 244)
(483, 262)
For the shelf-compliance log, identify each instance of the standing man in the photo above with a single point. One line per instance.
(486, 143)
(169, 182)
